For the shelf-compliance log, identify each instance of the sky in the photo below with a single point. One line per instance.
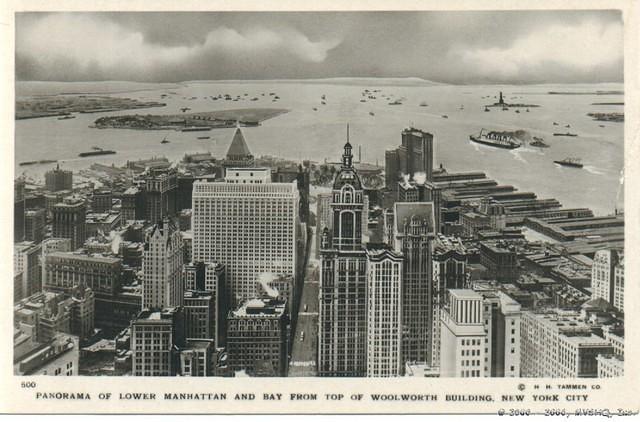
(448, 47)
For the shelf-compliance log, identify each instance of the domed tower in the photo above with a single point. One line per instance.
(347, 204)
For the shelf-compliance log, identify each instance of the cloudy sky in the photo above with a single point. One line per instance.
(450, 47)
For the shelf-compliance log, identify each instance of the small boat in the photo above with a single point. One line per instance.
(505, 108)
(486, 109)
(315, 109)
(423, 104)
(204, 137)
(69, 116)
(555, 123)
(371, 113)
(601, 125)
(538, 142)
(565, 134)
(164, 140)
(396, 102)
(323, 103)
(518, 111)
(570, 162)
(527, 110)
(363, 101)
(567, 126)
(185, 109)
(254, 99)
(444, 116)
(324, 97)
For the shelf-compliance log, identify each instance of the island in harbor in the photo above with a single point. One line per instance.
(188, 122)
(64, 105)
(505, 105)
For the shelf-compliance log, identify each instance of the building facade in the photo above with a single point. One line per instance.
(162, 285)
(384, 312)
(69, 221)
(156, 339)
(342, 333)
(462, 340)
(248, 224)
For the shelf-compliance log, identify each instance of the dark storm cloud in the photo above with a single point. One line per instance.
(458, 47)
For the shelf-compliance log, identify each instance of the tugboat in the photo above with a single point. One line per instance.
(496, 139)
(570, 162)
(538, 142)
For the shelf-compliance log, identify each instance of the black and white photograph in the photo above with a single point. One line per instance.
(349, 194)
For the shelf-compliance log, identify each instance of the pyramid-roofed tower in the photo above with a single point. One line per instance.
(238, 154)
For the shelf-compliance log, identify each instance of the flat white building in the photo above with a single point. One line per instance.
(462, 337)
(162, 285)
(248, 224)
(384, 313)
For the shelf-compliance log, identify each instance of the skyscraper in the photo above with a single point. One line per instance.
(384, 311)
(238, 154)
(414, 155)
(69, 221)
(18, 210)
(462, 348)
(57, 179)
(160, 193)
(162, 265)
(156, 339)
(413, 231)
(342, 342)
(34, 225)
(248, 224)
(603, 274)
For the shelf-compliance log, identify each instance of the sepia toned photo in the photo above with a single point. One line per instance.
(410, 194)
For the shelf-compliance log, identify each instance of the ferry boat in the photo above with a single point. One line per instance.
(495, 139)
(565, 134)
(570, 162)
(204, 137)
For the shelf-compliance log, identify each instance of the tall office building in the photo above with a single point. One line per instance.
(342, 334)
(384, 312)
(69, 221)
(199, 314)
(414, 155)
(160, 193)
(162, 285)
(412, 232)
(449, 272)
(132, 204)
(257, 337)
(34, 225)
(18, 210)
(156, 339)
(462, 340)
(557, 343)
(58, 179)
(618, 284)
(248, 224)
(324, 217)
(238, 154)
(26, 264)
(101, 200)
(603, 274)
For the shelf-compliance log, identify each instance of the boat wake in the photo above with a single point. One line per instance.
(594, 170)
(518, 157)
